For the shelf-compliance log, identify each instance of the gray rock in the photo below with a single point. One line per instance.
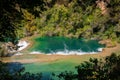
(7, 49)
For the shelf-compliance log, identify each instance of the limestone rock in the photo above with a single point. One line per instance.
(7, 49)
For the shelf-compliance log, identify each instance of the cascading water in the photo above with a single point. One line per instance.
(65, 46)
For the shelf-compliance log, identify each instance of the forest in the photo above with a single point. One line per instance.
(90, 19)
(97, 19)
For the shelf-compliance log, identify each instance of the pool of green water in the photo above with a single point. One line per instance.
(48, 69)
(63, 45)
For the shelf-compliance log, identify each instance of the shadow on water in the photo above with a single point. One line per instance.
(16, 67)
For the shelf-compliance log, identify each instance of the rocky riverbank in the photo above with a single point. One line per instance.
(8, 48)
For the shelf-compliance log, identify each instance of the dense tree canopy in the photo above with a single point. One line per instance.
(7, 15)
(75, 18)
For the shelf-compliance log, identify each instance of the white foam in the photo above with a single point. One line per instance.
(74, 53)
(100, 49)
(61, 53)
(65, 52)
(19, 53)
(22, 45)
(35, 52)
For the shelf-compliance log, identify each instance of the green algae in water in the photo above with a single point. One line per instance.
(65, 45)
(48, 68)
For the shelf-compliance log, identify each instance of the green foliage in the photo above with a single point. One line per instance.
(94, 69)
(67, 75)
(77, 20)
(70, 18)
(7, 30)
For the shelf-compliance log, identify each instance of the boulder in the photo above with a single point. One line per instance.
(7, 49)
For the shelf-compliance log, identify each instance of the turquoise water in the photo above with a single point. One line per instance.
(65, 45)
(48, 68)
(59, 45)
